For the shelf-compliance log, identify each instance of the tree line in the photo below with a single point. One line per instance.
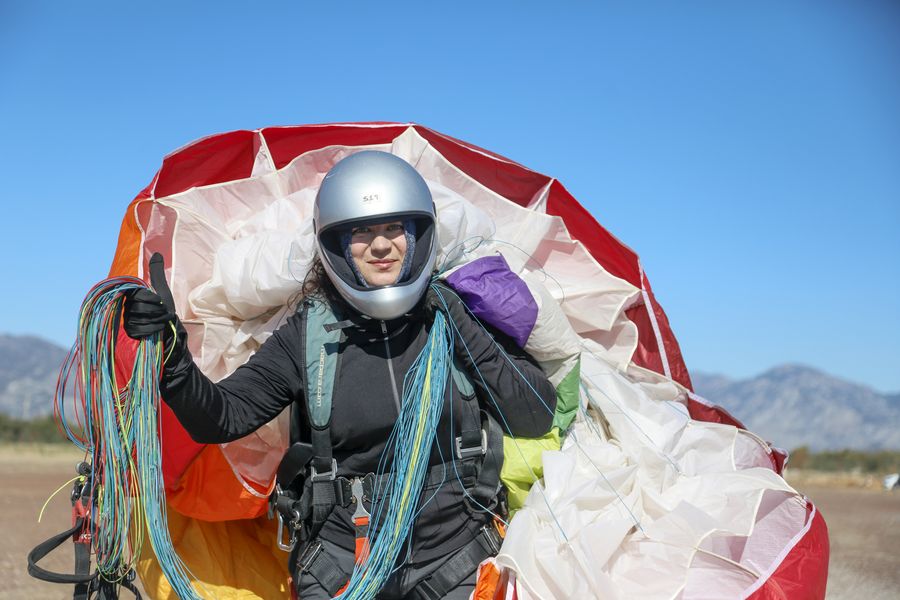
(860, 461)
(47, 430)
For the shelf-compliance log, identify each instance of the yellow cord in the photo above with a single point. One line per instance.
(420, 431)
(172, 346)
(41, 514)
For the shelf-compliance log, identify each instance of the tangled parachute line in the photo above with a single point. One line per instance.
(123, 480)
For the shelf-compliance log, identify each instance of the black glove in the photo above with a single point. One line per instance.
(439, 297)
(147, 312)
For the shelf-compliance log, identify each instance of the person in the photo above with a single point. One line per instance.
(375, 225)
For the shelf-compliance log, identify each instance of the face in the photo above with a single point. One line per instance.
(378, 251)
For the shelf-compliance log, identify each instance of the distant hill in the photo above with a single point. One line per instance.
(29, 367)
(789, 405)
(795, 405)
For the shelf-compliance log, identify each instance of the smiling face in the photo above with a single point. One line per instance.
(378, 251)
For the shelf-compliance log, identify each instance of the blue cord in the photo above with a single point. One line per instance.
(121, 436)
(395, 508)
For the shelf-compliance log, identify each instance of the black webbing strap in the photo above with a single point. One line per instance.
(480, 446)
(314, 561)
(110, 591)
(82, 574)
(83, 565)
(293, 464)
(469, 444)
(322, 459)
(487, 484)
(86, 583)
(461, 565)
(319, 495)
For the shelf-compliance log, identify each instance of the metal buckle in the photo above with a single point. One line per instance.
(359, 497)
(492, 538)
(292, 530)
(327, 475)
(292, 526)
(464, 453)
(85, 471)
(308, 556)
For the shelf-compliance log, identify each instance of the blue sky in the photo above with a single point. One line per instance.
(750, 153)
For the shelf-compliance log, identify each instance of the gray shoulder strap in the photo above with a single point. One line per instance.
(322, 349)
(461, 379)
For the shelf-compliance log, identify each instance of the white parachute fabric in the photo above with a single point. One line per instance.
(664, 509)
(641, 501)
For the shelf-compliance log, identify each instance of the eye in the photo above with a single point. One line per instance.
(395, 227)
(359, 230)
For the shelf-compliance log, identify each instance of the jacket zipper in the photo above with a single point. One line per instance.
(387, 350)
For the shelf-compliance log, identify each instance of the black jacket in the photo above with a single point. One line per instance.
(364, 407)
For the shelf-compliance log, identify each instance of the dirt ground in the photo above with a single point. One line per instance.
(30, 475)
(864, 526)
(864, 533)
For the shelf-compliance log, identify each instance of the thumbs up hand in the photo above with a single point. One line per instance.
(148, 312)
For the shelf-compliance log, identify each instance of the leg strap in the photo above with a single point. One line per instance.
(314, 561)
(463, 564)
(87, 584)
(82, 575)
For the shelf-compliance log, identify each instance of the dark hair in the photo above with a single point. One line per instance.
(317, 285)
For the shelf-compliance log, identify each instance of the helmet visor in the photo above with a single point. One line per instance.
(418, 229)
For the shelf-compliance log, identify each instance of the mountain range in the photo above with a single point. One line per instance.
(794, 405)
(29, 367)
(789, 405)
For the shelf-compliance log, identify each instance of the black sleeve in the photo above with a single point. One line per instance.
(215, 413)
(509, 382)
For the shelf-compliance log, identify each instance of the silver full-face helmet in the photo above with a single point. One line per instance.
(367, 188)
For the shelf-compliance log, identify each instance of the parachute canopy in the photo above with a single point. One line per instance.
(655, 492)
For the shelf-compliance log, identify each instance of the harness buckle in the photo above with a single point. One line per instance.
(84, 471)
(314, 475)
(308, 556)
(291, 527)
(359, 497)
(492, 538)
(277, 508)
(473, 451)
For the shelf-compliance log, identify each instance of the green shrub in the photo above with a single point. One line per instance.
(43, 430)
(880, 461)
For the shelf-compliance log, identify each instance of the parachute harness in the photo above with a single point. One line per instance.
(125, 493)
